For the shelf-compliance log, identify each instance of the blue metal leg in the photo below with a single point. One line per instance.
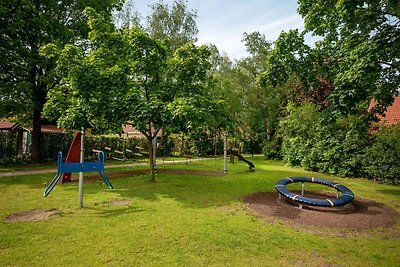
(105, 179)
(52, 185)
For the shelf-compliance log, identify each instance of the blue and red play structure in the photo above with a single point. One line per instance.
(63, 168)
(73, 155)
(347, 196)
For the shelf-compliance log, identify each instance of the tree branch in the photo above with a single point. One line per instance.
(390, 64)
(379, 12)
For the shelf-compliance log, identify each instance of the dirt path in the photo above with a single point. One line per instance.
(27, 172)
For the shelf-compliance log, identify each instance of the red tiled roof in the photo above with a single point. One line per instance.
(5, 125)
(131, 131)
(392, 114)
(50, 129)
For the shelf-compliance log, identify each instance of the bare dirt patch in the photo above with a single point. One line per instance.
(121, 202)
(33, 215)
(360, 215)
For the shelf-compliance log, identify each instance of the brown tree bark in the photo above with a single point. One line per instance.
(151, 159)
(38, 100)
(36, 136)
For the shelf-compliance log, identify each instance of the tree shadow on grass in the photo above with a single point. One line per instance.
(111, 212)
(193, 191)
(394, 191)
(33, 181)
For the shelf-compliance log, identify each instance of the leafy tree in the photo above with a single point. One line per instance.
(308, 71)
(256, 111)
(125, 77)
(174, 25)
(26, 76)
(127, 16)
(358, 53)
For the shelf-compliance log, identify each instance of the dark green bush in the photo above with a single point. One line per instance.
(317, 144)
(299, 133)
(272, 150)
(52, 143)
(9, 150)
(8, 145)
(203, 144)
(253, 146)
(381, 160)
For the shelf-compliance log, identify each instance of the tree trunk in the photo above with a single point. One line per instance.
(151, 160)
(38, 100)
(36, 135)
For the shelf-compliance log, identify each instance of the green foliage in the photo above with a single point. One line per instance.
(272, 150)
(174, 25)
(52, 143)
(331, 147)
(9, 151)
(254, 111)
(202, 143)
(26, 76)
(381, 159)
(127, 16)
(127, 73)
(337, 147)
(340, 147)
(357, 58)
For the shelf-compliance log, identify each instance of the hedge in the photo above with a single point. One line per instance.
(52, 143)
(345, 147)
(9, 151)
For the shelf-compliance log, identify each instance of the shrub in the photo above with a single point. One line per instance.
(10, 150)
(272, 149)
(52, 143)
(299, 133)
(381, 160)
(319, 144)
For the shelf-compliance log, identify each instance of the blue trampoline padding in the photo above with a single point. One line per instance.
(346, 198)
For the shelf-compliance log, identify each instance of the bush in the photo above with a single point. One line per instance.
(52, 143)
(253, 146)
(203, 144)
(272, 150)
(299, 133)
(10, 151)
(381, 160)
(318, 144)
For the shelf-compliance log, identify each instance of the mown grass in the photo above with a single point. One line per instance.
(181, 220)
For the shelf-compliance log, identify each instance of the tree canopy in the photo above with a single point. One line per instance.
(126, 73)
(174, 25)
(26, 76)
(358, 56)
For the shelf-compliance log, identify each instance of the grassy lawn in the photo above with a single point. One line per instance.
(182, 220)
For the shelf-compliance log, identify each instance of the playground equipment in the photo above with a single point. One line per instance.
(234, 153)
(121, 155)
(63, 168)
(347, 196)
(73, 155)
